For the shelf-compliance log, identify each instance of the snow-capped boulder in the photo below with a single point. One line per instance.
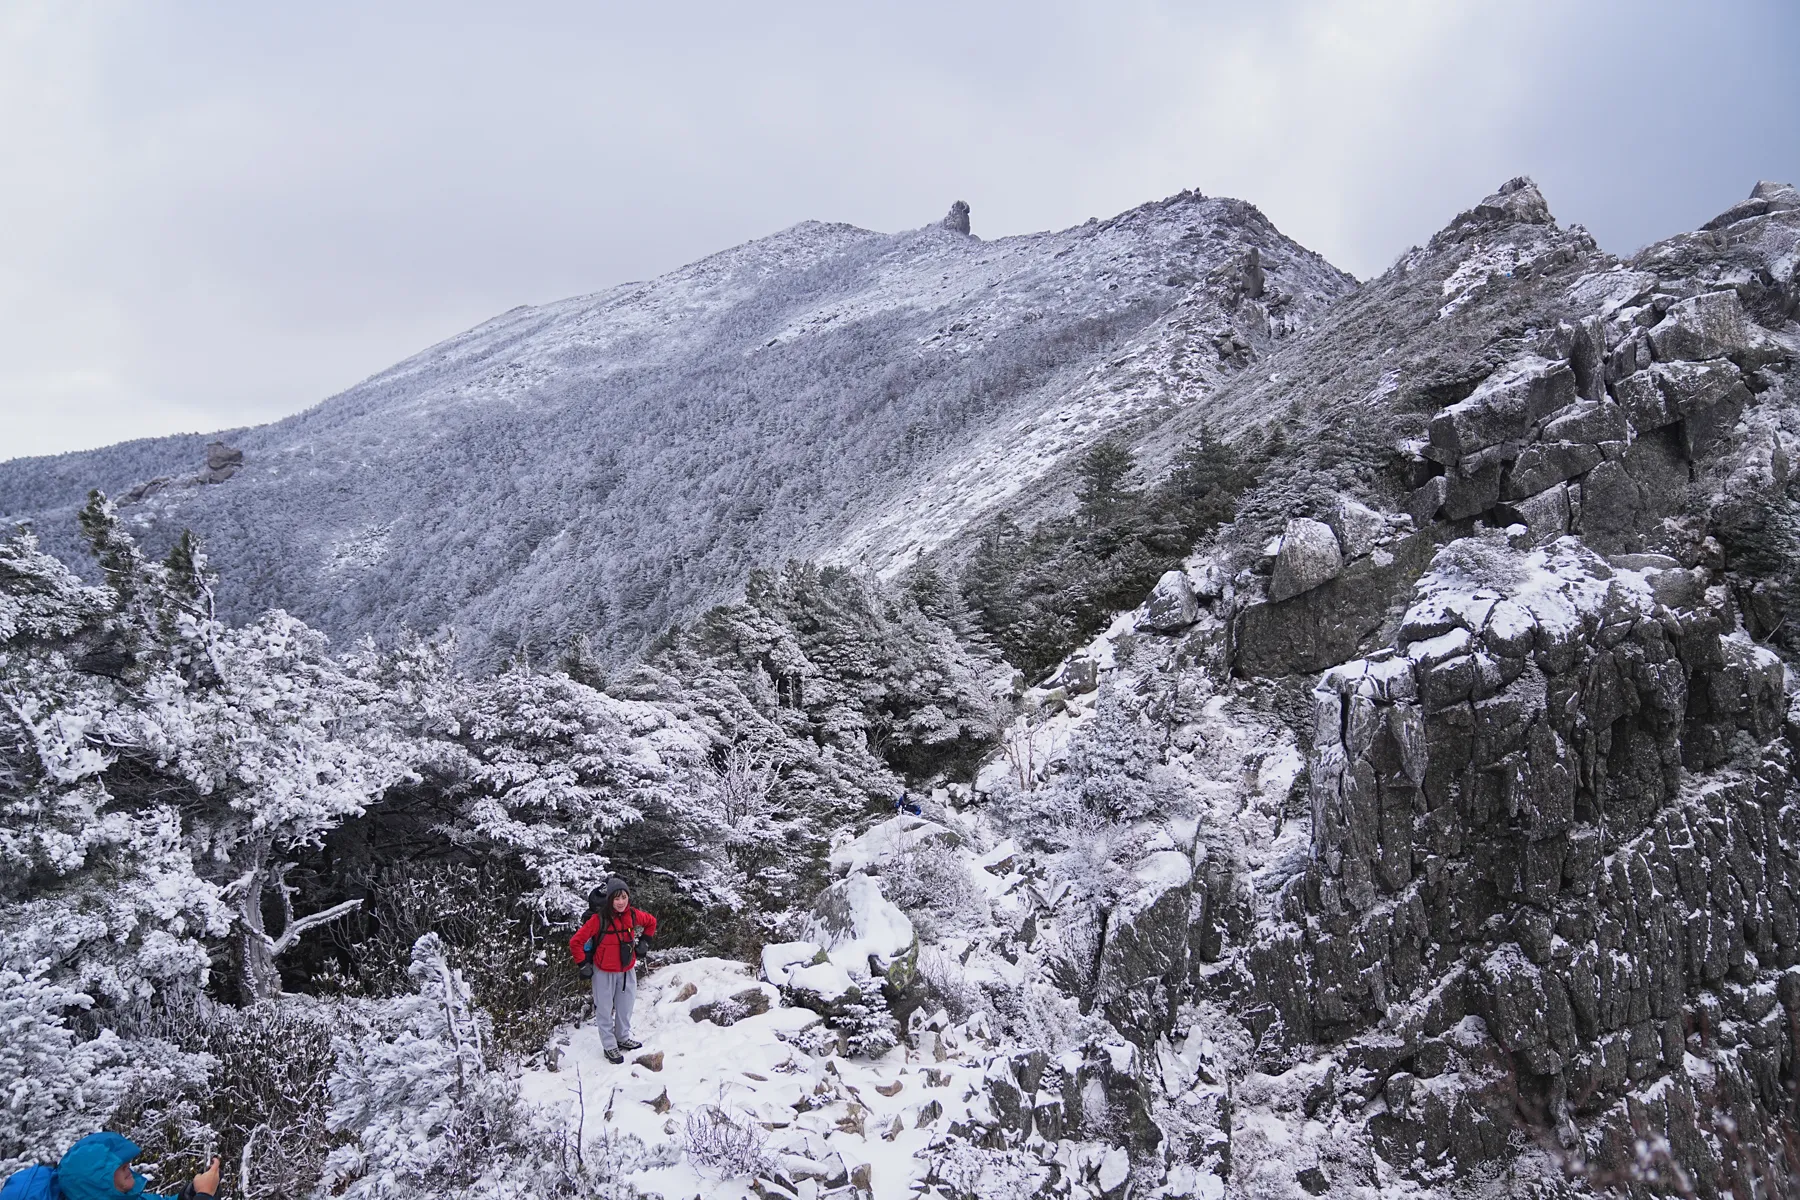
(781, 959)
(824, 987)
(957, 219)
(864, 932)
(1358, 528)
(1309, 556)
(1172, 605)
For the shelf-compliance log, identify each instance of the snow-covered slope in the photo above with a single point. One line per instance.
(611, 463)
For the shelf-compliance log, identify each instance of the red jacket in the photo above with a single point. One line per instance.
(618, 930)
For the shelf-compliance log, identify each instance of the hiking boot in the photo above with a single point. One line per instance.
(628, 1044)
(613, 1056)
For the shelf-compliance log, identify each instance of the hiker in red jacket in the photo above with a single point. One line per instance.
(608, 941)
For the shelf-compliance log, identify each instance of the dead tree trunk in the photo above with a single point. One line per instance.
(259, 977)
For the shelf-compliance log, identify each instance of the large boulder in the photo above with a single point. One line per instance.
(864, 932)
(1309, 556)
(1701, 327)
(957, 219)
(1172, 605)
(1591, 422)
(1545, 464)
(1359, 528)
(1144, 958)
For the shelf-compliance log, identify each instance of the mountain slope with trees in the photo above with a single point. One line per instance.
(1373, 776)
(612, 464)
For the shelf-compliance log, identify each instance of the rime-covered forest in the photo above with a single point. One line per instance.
(203, 819)
(1321, 740)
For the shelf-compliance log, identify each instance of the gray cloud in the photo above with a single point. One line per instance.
(217, 215)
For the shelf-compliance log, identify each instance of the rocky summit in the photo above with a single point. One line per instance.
(1224, 729)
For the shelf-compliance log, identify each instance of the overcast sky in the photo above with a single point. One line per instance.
(214, 215)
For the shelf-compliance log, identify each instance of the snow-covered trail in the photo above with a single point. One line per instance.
(827, 1121)
(953, 1104)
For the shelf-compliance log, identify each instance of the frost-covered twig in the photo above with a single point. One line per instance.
(311, 921)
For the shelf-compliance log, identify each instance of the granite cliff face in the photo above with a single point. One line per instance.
(1545, 932)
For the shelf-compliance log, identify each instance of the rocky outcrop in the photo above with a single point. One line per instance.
(1553, 890)
(1518, 202)
(222, 462)
(1331, 622)
(1504, 409)
(957, 219)
(1341, 577)
(1538, 858)
(1172, 606)
(1253, 282)
(1143, 965)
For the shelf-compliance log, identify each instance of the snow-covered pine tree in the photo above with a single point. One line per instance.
(104, 894)
(558, 777)
(147, 732)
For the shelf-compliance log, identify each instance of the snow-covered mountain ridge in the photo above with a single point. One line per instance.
(609, 464)
(1428, 830)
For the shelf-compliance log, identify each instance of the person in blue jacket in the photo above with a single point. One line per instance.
(98, 1167)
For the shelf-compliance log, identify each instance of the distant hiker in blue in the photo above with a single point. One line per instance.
(98, 1168)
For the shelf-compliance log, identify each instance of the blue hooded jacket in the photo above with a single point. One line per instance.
(86, 1171)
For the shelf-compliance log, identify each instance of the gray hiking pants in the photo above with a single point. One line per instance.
(614, 994)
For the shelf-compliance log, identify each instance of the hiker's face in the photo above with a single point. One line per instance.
(123, 1179)
(621, 901)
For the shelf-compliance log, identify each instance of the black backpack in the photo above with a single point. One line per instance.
(598, 907)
